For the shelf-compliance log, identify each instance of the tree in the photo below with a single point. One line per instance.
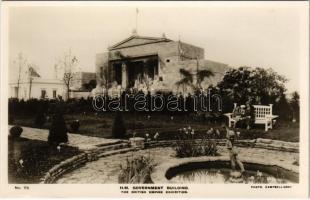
(282, 108)
(21, 62)
(68, 64)
(188, 78)
(90, 85)
(119, 129)
(202, 74)
(262, 86)
(31, 74)
(294, 104)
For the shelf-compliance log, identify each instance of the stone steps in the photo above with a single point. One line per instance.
(105, 150)
(112, 147)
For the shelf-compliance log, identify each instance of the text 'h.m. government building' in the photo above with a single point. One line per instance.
(152, 63)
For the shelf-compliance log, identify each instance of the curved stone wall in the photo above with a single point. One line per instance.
(107, 150)
(64, 167)
(89, 155)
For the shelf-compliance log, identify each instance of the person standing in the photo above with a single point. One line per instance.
(249, 115)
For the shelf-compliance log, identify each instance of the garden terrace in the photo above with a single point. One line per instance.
(100, 125)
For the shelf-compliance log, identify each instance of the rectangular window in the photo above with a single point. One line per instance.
(54, 94)
(43, 93)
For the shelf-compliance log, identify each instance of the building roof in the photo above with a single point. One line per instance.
(39, 81)
(136, 40)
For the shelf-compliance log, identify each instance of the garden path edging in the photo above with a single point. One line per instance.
(89, 155)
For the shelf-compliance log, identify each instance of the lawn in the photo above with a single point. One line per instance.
(29, 160)
(100, 125)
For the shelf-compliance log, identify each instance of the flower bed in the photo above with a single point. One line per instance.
(136, 170)
(187, 146)
(29, 159)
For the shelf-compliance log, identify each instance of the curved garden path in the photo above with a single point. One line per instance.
(106, 169)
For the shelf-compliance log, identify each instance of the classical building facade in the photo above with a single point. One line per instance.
(142, 59)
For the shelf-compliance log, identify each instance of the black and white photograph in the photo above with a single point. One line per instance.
(164, 95)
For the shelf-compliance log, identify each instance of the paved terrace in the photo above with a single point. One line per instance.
(81, 141)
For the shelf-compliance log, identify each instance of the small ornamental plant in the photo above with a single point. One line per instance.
(75, 125)
(136, 170)
(15, 132)
(156, 136)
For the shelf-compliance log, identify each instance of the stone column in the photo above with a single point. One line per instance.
(124, 76)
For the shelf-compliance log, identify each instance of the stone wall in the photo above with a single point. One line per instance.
(171, 73)
(88, 155)
(64, 167)
(189, 51)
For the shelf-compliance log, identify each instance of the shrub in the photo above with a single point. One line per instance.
(58, 131)
(187, 146)
(75, 125)
(135, 125)
(118, 129)
(15, 132)
(40, 119)
(295, 105)
(11, 119)
(137, 170)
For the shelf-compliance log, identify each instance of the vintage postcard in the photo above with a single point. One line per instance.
(154, 99)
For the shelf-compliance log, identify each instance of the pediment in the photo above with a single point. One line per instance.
(137, 40)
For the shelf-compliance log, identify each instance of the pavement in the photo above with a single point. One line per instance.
(83, 142)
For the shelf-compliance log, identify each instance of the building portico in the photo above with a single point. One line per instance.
(140, 60)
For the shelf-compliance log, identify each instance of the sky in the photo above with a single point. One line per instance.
(267, 36)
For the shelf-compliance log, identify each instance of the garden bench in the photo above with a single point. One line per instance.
(263, 115)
